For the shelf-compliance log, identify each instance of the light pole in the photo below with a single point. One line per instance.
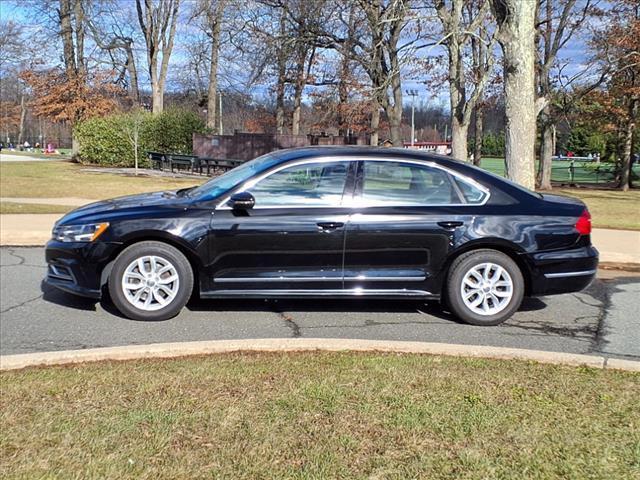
(413, 94)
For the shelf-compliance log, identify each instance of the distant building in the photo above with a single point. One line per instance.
(443, 148)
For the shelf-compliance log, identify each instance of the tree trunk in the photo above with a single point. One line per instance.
(459, 132)
(280, 100)
(396, 133)
(75, 145)
(133, 74)
(66, 31)
(157, 95)
(212, 91)
(80, 60)
(215, 26)
(297, 94)
(342, 105)
(625, 168)
(395, 111)
(295, 120)
(516, 20)
(478, 132)
(546, 153)
(375, 123)
(23, 115)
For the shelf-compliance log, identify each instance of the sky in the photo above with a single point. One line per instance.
(232, 74)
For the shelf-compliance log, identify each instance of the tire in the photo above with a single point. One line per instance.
(492, 284)
(160, 277)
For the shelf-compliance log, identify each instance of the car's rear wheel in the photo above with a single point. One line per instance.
(484, 287)
(150, 281)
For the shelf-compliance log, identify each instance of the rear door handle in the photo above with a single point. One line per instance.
(330, 225)
(450, 225)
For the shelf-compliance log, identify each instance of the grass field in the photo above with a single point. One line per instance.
(65, 179)
(609, 208)
(583, 172)
(319, 415)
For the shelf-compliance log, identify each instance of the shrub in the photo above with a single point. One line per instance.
(106, 141)
(172, 131)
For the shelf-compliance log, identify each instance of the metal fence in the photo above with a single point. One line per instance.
(579, 172)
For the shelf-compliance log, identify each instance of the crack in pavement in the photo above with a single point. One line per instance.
(13, 253)
(23, 303)
(22, 262)
(289, 322)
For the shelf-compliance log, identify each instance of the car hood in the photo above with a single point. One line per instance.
(120, 205)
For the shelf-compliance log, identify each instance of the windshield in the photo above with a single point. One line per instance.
(219, 185)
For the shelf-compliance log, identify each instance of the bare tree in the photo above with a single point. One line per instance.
(516, 23)
(158, 20)
(71, 18)
(385, 21)
(211, 13)
(132, 127)
(458, 30)
(557, 23)
(114, 34)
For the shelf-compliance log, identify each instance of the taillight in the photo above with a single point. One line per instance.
(583, 225)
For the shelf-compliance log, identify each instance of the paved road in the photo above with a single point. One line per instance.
(603, 319)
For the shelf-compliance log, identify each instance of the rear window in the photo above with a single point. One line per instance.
(471, 193)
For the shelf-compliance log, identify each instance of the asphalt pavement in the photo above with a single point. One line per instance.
(604, 319)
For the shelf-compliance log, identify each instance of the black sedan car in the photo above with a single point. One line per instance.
(330, 222)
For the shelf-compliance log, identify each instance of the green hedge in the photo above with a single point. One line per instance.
(106, 141)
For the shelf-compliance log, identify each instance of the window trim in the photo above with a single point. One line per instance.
(348, 202)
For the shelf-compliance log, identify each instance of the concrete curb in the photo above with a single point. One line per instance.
(174, 350)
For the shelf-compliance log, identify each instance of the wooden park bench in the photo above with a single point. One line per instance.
(158, 160)
(189, 161)
(218, 164)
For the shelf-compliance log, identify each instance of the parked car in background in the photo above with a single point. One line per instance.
(330, 222)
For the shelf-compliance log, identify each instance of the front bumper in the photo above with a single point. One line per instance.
(78, 267)
(562, 271)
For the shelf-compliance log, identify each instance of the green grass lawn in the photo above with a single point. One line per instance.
(609, 208)
(65, 179)
(319, 415)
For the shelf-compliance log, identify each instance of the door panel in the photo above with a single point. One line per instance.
(292, 239)
(404, 227)
(277, 249)
(395, 248)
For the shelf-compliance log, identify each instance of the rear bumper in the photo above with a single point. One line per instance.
(562, 271)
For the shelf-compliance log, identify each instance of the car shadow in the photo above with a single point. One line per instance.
(64, 299)
(196, 304)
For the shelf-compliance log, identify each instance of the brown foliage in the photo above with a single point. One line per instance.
(9, 115)
(59, 98)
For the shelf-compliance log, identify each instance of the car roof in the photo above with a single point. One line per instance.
(360, 150)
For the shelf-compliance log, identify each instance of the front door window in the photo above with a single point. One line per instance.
(309, 185)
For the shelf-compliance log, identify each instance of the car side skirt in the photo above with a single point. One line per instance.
(316, 293)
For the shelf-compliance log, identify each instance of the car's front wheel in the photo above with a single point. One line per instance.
(484, 287)
(150, 281)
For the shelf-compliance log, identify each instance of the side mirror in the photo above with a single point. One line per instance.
(241, 201)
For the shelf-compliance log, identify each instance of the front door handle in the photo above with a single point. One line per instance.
(330, 225)
(450, 225)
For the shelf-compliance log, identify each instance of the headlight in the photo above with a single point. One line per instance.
(79, 233)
